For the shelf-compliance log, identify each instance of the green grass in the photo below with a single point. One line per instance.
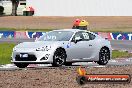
(32, 30)
(120, 54)
(6, 51)
(116, 29)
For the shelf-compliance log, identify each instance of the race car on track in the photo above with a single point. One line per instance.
(63, 47)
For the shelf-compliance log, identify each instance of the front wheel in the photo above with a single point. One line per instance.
(21, 65)
(59, 58)
(104, 56)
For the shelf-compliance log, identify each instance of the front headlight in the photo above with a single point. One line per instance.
(46, 48)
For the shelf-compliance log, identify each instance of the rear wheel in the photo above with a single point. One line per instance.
(59, 58)
(104, 56)
(21, 65)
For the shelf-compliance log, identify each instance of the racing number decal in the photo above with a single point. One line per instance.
(85, 35)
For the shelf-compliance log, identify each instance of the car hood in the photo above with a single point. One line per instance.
(39, 44)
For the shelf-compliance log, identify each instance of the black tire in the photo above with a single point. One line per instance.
(104, 56)
(1, 10)
(21, 65)
(59, 58)
(68, 64)
(81, 80)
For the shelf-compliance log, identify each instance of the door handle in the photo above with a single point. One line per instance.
(90, 45)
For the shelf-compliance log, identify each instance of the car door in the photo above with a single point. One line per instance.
(79, 50)
(91, 44)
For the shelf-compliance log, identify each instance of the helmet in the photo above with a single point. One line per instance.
(77, 22)
(83, 23)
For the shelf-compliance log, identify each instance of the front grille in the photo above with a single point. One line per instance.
(29, 58)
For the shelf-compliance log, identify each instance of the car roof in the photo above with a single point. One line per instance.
(72, 30)
(75, 30)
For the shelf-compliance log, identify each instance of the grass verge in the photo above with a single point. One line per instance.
(32, 30)
(122, 29)
(6, 51)
(114, 29)
(120, 54)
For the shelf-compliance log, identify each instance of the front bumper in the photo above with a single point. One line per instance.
(32, 62)
(33, 57)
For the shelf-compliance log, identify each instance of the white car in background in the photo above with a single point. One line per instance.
(63, 47)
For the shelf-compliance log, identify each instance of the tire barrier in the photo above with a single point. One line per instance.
(7, 34)
(34, 35)
(116, 35)
(20, 35)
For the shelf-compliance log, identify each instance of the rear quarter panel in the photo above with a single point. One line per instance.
(99, 43)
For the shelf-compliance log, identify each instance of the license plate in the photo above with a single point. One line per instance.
(23, 55)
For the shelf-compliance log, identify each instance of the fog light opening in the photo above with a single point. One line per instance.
(45, 57)
(42, 58)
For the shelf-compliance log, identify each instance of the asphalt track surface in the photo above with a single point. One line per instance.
(122, 45)
(117, 45)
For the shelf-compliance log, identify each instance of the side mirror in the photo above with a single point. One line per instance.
(77, 39)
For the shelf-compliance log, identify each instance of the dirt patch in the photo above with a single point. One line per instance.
(24, 22)
(58, 78)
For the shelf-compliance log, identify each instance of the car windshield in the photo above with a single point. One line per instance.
(56, 36)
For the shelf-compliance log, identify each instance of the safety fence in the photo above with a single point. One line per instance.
(30, 35)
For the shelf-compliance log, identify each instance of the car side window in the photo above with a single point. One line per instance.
(91, 36)
(83, 35)
(78, 34)
(86, 36)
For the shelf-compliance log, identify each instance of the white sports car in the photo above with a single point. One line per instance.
(63, 47)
